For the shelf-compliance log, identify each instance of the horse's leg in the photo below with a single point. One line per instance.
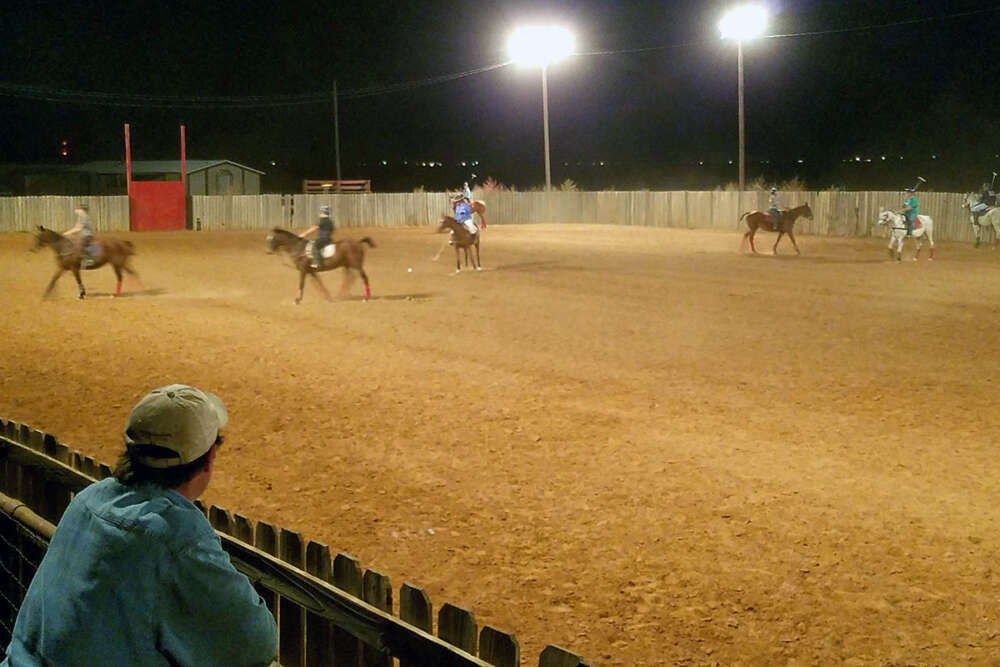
(774, 250)
(479, 262)
(302, 284)
(118, 279)
(364, 278)
(791, 235)
(345, 284)
(320, 285)
(753, 232)
(919, 240)
(132, 272)
(978, 231)
(930, 241)
(52, 283)
(458, 260)
(79, 282)
(996, 233)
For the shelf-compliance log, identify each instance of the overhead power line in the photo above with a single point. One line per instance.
(118, 99)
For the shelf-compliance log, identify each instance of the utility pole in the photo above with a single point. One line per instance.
(336, 132)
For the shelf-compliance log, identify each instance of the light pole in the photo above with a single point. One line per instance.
(741, 24)
(541, 46)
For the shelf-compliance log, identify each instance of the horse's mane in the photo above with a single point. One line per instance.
(284, 232)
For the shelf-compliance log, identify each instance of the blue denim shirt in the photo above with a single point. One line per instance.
(137, 576)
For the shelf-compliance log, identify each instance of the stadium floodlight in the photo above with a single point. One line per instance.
(540, 46)
(742, 23)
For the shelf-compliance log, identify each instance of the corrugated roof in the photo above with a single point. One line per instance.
(154, 166)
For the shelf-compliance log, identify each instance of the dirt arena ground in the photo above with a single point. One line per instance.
(636, 443)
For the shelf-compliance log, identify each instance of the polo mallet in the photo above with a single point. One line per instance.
(920, 179)
(993, 180)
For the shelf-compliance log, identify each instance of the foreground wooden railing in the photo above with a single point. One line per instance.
(329, 611)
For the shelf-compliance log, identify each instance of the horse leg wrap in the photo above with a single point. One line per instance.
(118, 289)
(368, 292)
(932, 253)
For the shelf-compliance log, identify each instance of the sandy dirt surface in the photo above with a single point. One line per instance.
(639, 444)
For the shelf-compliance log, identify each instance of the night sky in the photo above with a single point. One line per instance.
(657, 96)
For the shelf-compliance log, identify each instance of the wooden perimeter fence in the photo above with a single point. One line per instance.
(329, 610)
(834, 213)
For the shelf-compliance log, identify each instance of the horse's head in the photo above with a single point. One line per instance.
(971, 199)
(45, 237)
(282, 239)
(447, 222)
(885, 216)
(272, 245)
(807, 212)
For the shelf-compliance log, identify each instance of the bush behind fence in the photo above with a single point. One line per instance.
(844, 214)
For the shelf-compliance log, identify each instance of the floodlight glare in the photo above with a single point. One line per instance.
(743, 22)
(540, 45)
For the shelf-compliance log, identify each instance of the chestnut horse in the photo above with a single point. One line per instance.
(762, 220)
(464, 240)
(347, 254)
(68, 257)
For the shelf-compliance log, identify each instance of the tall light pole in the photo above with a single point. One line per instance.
(541, 46)
(741, 24)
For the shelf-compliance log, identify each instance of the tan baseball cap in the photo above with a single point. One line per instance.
(178, 418)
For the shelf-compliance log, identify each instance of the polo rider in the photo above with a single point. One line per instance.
(986, 201)
(324, 237)
(911, 209)
(85, 228)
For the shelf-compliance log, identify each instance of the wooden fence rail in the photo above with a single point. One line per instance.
(329, 610)
(835, 213)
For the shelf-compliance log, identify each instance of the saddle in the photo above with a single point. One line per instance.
(329, 250)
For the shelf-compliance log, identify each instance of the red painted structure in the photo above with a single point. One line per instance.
(156, 205)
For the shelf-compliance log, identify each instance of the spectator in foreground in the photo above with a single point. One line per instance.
(134, 574)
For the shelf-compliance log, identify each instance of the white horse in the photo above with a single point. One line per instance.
(991, 217)
(897, 232)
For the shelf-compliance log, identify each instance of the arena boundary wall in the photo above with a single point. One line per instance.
(329, 610)
(844, 214)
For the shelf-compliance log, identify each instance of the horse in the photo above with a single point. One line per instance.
(464, 240)
(69, 258)
(897, 232)
(760, 219)
(992, 216)
(346, 253)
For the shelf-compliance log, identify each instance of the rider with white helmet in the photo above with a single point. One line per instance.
(85, 228)
(774, 208)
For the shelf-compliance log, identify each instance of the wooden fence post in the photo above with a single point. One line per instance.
(377, 591)
(457, 626)
(347, 577)
(499, 648)
(415, 608)
(291, 632)
(319, 631)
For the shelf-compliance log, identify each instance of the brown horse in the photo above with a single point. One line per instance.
(479, 206)
(347, 254)
(464, 240)
(68, 257)
(762, 220)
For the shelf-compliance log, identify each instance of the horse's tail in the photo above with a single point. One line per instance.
(368, 240)
(738, 221)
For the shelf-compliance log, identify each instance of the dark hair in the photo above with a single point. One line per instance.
(130, 472)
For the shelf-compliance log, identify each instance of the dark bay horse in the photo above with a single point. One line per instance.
(464, 240)
(68, 257)
(347, 254)
(762, 220)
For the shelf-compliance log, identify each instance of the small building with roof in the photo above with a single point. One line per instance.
(107, 177)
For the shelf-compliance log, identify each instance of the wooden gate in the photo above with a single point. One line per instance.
(156, 205)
